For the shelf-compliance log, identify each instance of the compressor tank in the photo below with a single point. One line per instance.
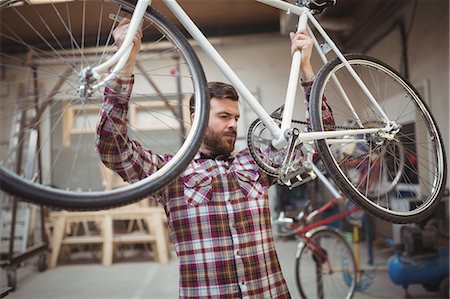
(406, 270)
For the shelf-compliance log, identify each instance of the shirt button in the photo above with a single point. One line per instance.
(242, 282)
(238, 252)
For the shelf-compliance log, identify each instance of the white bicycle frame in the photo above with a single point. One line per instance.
(280, 134)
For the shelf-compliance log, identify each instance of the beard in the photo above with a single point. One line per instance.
(220, 143)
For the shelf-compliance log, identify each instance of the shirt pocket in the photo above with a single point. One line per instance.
(198, 188)
(248, 181)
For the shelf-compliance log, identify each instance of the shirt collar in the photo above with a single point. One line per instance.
(224, 157)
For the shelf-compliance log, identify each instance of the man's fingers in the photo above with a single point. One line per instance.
(139, 33)
(292, 36)
(123, 22)
(300, 36)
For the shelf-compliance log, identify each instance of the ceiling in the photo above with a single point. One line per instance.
(348, 22)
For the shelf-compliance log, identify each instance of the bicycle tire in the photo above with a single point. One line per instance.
(338, 279)
(167, 62)
(423, 180)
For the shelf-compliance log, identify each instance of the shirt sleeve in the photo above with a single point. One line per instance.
(327, 113)
(118, 152)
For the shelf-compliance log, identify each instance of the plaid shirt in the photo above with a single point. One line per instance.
(218, 212)
(327, 113)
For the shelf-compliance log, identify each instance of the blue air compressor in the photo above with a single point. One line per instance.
(422, 258)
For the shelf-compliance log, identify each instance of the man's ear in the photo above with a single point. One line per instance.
(192, 117)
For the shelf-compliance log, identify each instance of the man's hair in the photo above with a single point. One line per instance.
(219, 91)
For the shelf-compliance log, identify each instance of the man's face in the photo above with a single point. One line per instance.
(221, 133)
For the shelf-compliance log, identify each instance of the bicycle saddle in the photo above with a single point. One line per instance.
(319, 6)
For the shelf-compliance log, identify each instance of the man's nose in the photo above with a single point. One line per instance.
(232, 123)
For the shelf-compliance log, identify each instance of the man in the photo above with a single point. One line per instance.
(218, 212)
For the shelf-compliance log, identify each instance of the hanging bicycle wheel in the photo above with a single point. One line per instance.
(325, 266)
(397, 175)
(48, 127)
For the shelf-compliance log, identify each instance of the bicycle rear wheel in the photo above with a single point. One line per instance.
(48, 133)
(325, 266)
(400, 175)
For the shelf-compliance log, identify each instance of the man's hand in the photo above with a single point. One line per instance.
(119, 34)
(302, 42)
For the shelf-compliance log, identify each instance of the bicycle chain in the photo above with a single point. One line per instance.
(302, 122)
(277, 115)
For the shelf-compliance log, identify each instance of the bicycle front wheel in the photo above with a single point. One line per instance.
(399, 175)
(325, 266)
(48, 125)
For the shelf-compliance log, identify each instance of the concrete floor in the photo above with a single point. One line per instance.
(147, 279)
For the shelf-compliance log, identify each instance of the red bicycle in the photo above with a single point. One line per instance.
(322, 250)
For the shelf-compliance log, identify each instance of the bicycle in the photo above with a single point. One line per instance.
(324, 250)
(321, 250)
(360, 90)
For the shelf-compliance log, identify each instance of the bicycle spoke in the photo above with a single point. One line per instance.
(54, 44)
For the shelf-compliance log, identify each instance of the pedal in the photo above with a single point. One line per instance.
(296, 178)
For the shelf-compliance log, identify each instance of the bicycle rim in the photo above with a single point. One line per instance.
(401, 176)
(325, 266)
(48, 154)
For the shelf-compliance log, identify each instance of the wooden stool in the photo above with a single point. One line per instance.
(154, 217)
(62, 220)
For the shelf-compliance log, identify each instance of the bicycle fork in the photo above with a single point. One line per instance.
(90, 77)
(320, 258)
